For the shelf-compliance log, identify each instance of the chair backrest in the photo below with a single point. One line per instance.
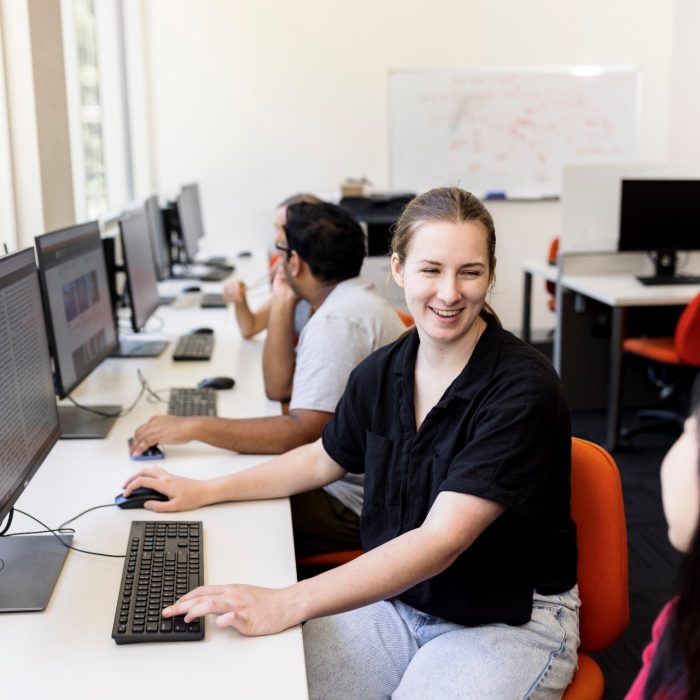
(598, 511)
(552, 255)
(687, 335)
(405, 317)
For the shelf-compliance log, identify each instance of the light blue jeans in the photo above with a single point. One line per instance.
(390, 650)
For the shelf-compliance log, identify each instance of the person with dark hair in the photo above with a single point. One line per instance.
(322, 255)
(467, 587)
(283, 315)
(671, 661)
(253, 322)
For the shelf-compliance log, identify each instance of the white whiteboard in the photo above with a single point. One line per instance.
(506, 131)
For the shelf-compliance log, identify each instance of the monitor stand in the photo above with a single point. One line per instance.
(29, 568)
(665, 267)
(139, 348)
(81, 424)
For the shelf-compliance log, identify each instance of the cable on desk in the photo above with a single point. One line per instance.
(119, 414)
(63, 530)
(9, 522)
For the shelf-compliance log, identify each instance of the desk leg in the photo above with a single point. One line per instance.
(527, 307)
(613, 417)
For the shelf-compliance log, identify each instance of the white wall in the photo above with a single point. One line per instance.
(256, 100)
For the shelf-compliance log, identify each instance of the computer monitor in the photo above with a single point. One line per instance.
(190, 216)
(141, 282)
(160, 243)
(660, 217)
(29, 428)
(80, 319)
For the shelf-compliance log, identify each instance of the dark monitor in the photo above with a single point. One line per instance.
(141, 282)
(190, 219)
(379, 212)
(80, 319)
(29, 428)
(160, 243)
(660, 217)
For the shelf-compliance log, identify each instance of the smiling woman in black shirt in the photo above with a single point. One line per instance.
(467, 587)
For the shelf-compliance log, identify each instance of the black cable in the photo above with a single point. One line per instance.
(9, 521)
(117, 414)
(68, 530)
(75, 517)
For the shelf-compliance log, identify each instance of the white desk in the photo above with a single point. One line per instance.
(539, 268)
(619, 292)
(67, 651)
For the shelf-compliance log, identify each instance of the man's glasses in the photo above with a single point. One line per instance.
(283, 249)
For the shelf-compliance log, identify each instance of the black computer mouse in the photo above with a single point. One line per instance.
(244, 254)
(192, 288)
(138, 497)
(217, 383)
(201, 331)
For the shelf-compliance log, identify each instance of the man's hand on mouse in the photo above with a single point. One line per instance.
(164, 430)
(183, 494)
(251, 610)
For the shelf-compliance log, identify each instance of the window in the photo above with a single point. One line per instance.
(107, 111)
(90, 109)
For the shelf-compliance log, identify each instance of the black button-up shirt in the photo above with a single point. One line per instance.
(501, 431)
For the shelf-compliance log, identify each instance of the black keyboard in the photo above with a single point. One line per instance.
(200, 272)
(212, 301)
(194, 347)
(220, 262)
(192, 402)
(164, 560)
(670, 279)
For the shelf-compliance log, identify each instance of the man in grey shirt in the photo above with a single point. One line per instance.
(322, 256)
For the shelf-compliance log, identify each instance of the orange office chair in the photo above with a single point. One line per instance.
(313, 564)
(601, 535)
(551, 287)
(405, 317)
(682, 352)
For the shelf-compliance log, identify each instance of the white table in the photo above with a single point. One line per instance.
(67, 650)
(619, 292)
(539, 268)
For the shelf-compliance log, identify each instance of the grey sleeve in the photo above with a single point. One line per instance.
(329, 349)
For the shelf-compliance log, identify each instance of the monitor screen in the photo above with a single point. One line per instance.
(28, 416)
(660, 215)
(190, 215)
(160, 244)
(141, 281)
(77, 302)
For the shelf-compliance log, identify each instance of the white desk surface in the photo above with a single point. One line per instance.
(626, 290)
(67, 650)
(541, 268)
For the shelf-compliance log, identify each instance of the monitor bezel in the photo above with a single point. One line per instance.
(160, 244)
(40, 455)
(190, 243)
(628, 242)
(81, 229)
(136, 323)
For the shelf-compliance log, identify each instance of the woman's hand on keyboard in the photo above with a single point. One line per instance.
(252, 610)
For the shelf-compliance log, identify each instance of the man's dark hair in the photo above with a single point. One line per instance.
(328, 238)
